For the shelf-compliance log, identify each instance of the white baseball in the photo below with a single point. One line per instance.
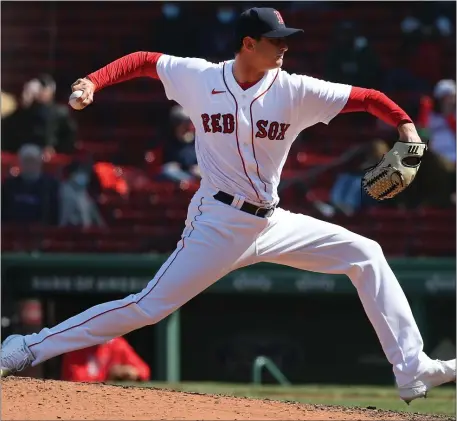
(73, 101)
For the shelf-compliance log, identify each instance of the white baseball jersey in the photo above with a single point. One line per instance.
(243, 137)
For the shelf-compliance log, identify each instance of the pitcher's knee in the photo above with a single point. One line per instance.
(367, 249)
(371, 248)
(366, 261)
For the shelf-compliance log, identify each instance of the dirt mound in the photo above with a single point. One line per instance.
(32, 399)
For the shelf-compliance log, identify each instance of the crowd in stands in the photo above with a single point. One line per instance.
(30, 195)
(38, 130)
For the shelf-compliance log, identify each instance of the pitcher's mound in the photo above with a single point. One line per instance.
(32, 399)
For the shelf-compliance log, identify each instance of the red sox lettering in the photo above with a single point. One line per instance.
(213, 123)
(225, 123)
(275, 130)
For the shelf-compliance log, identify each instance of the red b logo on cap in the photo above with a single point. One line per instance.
(280, 19)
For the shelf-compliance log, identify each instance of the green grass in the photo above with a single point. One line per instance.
(441, 400)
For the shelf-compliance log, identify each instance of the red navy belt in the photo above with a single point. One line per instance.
(246, 207)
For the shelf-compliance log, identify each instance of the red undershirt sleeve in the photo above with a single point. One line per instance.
(139, 64)
(377, 104)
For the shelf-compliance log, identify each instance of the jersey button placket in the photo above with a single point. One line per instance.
(247, 146)
(244, 128)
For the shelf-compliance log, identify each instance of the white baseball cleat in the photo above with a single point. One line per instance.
(439, 372)
(15, 355)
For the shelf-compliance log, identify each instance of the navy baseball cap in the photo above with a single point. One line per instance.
(262, 22)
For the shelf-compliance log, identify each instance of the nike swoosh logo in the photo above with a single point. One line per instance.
(214, 92)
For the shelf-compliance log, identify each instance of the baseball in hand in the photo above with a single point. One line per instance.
(73, 101)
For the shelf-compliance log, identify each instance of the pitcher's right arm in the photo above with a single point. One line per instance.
(180, 76)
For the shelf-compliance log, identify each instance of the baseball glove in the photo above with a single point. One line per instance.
(396, 170)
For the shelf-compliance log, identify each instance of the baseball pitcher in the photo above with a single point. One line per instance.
(247, 113)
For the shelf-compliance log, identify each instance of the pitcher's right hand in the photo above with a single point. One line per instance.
(88, 88)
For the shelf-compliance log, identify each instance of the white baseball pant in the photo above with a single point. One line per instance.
(219, 238)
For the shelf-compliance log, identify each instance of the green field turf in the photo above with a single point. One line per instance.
(440, 400)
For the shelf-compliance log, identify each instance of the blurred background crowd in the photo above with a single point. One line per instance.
(118, 176)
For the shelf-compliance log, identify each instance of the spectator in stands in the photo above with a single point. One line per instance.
(347, 194)
(437, 124)
(115, 360)
(78, 207)
(40, 120)
(32, 196)
(428, 33)
(351, 59)
(425, 15)
(438, 119)
(180, 158)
